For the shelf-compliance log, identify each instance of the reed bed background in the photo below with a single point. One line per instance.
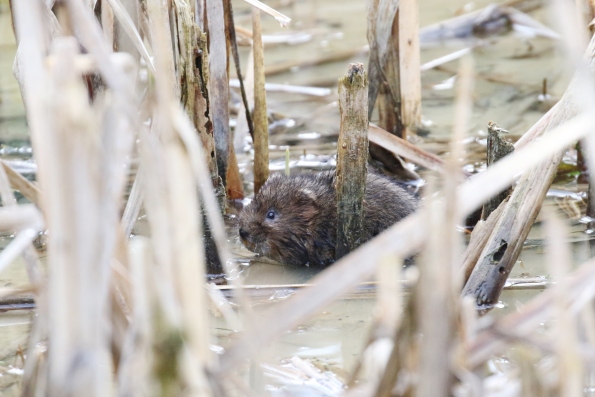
(111, 83)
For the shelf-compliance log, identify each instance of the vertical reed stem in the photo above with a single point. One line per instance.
(352, 156)
(410, 78)
(261, 133)
(219, 85)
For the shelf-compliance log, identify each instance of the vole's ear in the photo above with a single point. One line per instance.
(308, 194)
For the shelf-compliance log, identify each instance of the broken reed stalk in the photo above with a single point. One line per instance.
(409, 69)
(497, 148)
(261, 129)
(352, 156)
(506, 240)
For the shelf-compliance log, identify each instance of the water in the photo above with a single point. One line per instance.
(510, 72)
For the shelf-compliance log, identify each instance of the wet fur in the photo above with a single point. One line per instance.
(305, 225)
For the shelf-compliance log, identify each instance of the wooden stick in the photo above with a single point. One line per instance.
(261, 128)
(352, 157)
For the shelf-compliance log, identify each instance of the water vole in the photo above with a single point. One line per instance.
(293, 219)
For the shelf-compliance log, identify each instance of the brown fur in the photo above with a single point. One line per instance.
(304, 225)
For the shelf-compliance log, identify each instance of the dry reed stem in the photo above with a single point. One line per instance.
(219, 85)
(381, 17)
(175, 223)
(437, 291)
(18, 182)
(565, 334)
(435, 305)
(134, 203)
(24, 238)
(445, 59)
(235, 187)
(123, 42)
(130, 29)
(402, 239)
(78, 280)
(91, 36)
(573, 38)
(389, 302)
(107, 21)
(261, 131)
(403, 148)
(241, 131)
(236, 60)
(188, 137)
(387, 314)
(282, 19)
(30, 72)
(352, 158)
(409, 69)
(134, 366)
(21, 217)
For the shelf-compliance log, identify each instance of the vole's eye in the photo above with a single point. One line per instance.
(271, 215)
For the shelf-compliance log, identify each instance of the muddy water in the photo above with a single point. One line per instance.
(510, 72)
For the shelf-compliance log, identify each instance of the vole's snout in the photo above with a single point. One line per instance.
(244, 234)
